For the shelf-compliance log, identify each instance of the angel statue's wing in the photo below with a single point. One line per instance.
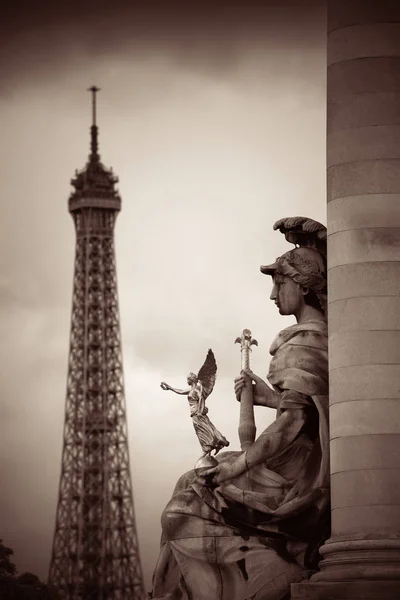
(208, 374)
(303, 232)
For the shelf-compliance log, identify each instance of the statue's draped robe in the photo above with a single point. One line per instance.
(248, 537)
(208, 435)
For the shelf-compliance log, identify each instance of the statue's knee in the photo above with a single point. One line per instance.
(171, 522)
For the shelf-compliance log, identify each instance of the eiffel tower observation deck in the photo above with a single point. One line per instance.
(95, 554)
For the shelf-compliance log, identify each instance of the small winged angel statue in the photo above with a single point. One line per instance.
(201, 386)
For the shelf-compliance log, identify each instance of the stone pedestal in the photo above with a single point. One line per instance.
(363, 154)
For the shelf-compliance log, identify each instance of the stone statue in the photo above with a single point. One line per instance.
(201, 386)
(248, 527)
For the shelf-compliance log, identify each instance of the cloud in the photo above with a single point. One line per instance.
(40, 41)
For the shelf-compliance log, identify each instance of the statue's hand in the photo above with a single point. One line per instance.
(164, 385)
(263, 395)
(245, 379)
(225, 470)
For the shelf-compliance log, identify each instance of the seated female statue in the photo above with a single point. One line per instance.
(250, 526)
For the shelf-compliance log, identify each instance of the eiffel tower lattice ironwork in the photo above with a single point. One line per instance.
(95, 553)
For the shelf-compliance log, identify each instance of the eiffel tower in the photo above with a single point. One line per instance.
(95, 553)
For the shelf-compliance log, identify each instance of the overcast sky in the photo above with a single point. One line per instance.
(214, 121)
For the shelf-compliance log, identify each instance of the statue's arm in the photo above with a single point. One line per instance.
(278, 436)
(264, 395)
(166, 386)
(180, 392)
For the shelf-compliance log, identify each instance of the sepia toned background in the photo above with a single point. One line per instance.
(214, 121)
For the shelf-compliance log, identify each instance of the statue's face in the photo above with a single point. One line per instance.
(192, 378)
(287, 295)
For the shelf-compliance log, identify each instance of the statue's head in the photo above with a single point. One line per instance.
(192, 378)
(300, 274)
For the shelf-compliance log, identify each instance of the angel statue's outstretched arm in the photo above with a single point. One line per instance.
(166, 386)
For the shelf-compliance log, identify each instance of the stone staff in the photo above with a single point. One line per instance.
(247, 427)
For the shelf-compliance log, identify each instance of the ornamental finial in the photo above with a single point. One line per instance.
(246, 341)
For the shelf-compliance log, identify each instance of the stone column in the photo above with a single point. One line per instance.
(362, 557)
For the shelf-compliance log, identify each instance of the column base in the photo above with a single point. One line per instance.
(341, 590)
(359, 560)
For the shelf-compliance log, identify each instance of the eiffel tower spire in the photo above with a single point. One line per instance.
(94, 130)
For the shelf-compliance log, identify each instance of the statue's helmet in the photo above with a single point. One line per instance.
(305, 264)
